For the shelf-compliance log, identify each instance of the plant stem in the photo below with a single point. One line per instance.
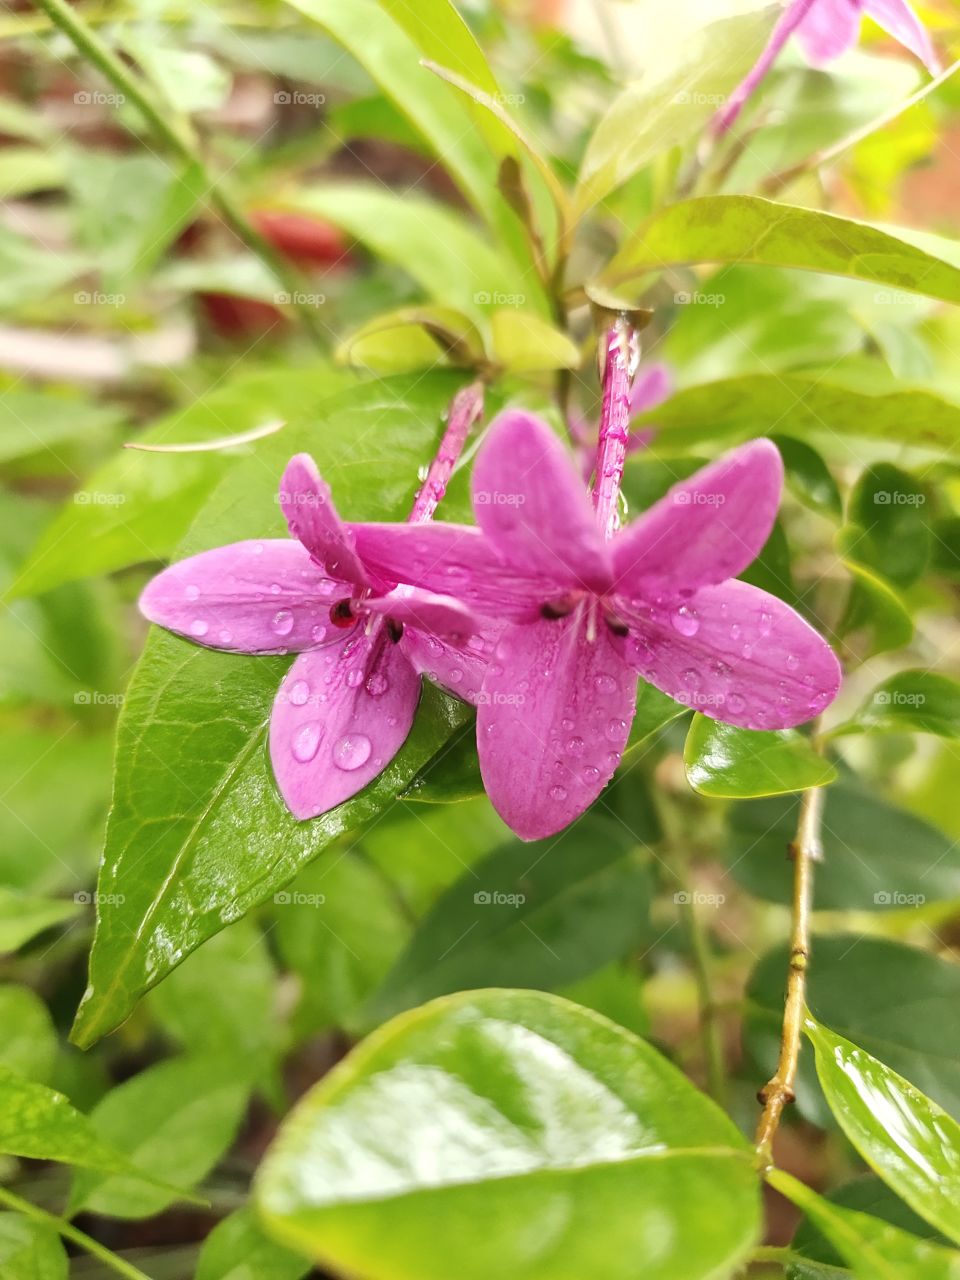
(710, 1031)
(465, 409)
(621, 351)
(179, 139)
(805, 850)
(73, 1234)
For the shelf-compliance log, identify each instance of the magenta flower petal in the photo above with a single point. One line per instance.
(453, 558)
(829, 29)
(706, 529)
(312, 517)
(898, 18)
(457, 668)
(438, 615)
(339, 718)
(737, 654)
(530, 501)
(553, 720)
(248, 597)
(654, 384)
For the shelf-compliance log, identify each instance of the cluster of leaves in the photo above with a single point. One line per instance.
(539, 1017)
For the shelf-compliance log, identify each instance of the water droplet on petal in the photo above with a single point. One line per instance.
(351, 751)
(558, 793)
(305, 742)
(686, 621)
(258, 548)
(318, 633)
(792, 662)
(766, 622)
(192, 592)
(735, 703)
(199, 628)
(575, 747)
(735, 631)
(692, 678)
(225, 637)
(354, 679)
(616, 730)
(274, 588)
(605, 683)
(377, 684)
(282, 622)
(591, 773)
(299, 693)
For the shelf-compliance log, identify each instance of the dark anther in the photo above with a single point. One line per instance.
(555, 611)
(616, 626)
(394, 629)
(342, 615)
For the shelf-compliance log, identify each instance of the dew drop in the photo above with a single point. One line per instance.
(318, 633)
(766, 622)
(692, 678)
(605, 683)
(258, 548)
(282, 622)
(456, 675)
(299, 693)
(377, 684)
(305, 742)
(616, 730)
(274, 588)
(558, 793)
(735, 631)
(199, 628)
(354, 678)
(735, 703)
(192, 592)
(225, 637)
(351, 751)
(591, 773)
(686, 620)
(575, 747)
(567, 724)
(792, 662)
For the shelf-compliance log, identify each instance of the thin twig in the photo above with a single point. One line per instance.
(711, 1039)
(178, 139)
(73, 1234)
(806, 850)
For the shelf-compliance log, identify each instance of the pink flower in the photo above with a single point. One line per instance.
(653, 386)
(826, 29)
(346, 705)
(587, 608)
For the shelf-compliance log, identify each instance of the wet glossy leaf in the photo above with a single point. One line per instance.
(750, 229)
(808, 475)
(29, 1250)
(886, 525)
(877, 857)
(722, 760)
(176, 1119)
(911, 1142)
(875, 619)
(910, 702)
(528, 915)
(436, 1145)
(238, 1249)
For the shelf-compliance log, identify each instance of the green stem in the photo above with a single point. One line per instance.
(73, 1234)
(178, 138)
(711, 1038)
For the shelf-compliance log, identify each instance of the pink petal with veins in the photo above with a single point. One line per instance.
(312, 518)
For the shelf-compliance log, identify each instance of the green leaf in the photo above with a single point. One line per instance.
(702, 54)
(909, 702)
(450, 260)
(874, 612)
(26, 170)
(30, 1039)
(532, 915)
(412, 338)
(523, 343)
(887, 529)
(722, 760)
(877, 857)
(138, 505)
(176, 1119)
(22, 917)
(188, 79)
(453, 774)
(29, 273)
(45, 423)
(808, 475)
(808, 404)
(199, 833)
(911, 1142)
(238, 1249)
(893, 1000)
(29, 1250)
(749, 229)
(873, 1249)
(457, 1139)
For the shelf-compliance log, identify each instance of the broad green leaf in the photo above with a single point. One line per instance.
(448, 258)
(703, 51)
(748, 229)
(806, 405)
(529, 915)
(412, 338)
(876, 617)
(886, 525)
(909, 702)
(523, 343)
(200, 809)
(722, 760)
(453, 774)
(49, 424)
(863, 1195)
(222, 998)
(23, 916)
(877, 857)
(26, 170)
(339, 927)
(238, 1249)
(897, 1002)
(29, 1043)
(873, 1249)
(654, 711)
(40, 1124)
(808, 475)
(138, 505)
(456, 1140)
(911, 1142)
(29, 273)
(176, 1119)
(30, 1250)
